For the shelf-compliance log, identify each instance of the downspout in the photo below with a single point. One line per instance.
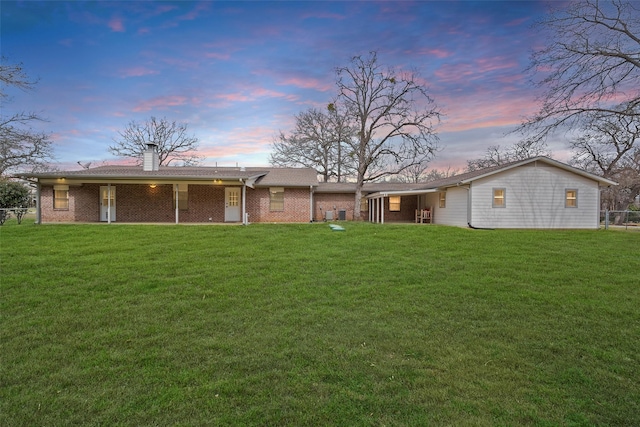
(469, 209)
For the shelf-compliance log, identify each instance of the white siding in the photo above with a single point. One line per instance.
(455, 210)
(535, 198)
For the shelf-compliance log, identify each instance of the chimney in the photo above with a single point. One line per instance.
(150, 161)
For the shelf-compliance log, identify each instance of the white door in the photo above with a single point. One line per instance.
(232, 204)
(107, 203)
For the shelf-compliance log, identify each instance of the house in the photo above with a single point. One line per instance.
(535, 193)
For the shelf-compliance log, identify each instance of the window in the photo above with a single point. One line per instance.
(442, 199)
(183, 197)
(276, 199)
(364, 204)
(499, 198)
(394, 203)
(571, 198)
(61, 197)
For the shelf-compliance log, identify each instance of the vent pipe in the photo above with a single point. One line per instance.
(151, 160)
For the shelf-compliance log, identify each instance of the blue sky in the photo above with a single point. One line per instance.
(238, 72)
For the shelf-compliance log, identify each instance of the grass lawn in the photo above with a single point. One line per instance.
(394, 325)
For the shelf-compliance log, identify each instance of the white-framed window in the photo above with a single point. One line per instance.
(499, 198)
(61, 197)
(364, 204)
(571, 198)
(276, 199)
(394, 203)
(183, 197)
(442, 199)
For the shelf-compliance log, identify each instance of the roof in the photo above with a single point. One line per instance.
(294, 177)
(369, 187)
(468, 177)
(290, 177)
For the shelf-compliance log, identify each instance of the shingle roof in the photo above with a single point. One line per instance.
(289, 177)
(163, 172)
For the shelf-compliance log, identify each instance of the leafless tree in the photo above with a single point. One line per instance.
(316, 142)
(591, 64)
(174, 145)
(497, 155)
(393, 115)
(20, 145)
(610, 146)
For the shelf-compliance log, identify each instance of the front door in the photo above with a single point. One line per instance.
(232, 204)
(107, 203)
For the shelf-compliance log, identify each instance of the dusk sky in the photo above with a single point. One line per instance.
(238, 72)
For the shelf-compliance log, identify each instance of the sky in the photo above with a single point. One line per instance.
(238, 72)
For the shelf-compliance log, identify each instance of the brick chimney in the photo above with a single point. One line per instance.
(151, 160)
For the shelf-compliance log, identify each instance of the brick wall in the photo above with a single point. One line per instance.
(296, 206)
(84, 204)
(339, 201)
(141, 203)
(334, 202)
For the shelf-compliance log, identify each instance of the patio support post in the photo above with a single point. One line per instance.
(245, 220)
(109, 203)
(176, 188)
(38, 213)
(311, 203)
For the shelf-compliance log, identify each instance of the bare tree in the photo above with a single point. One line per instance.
(497, 155)
(590, 65)
(435, 174)
(393, 115)
(609, 146)
(20, 144)
(316, 142)
(174, 145)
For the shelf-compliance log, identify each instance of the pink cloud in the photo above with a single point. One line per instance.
(254, 94)
(215, 55)
(306, 83)
(233, 97)
(137, 72)
(323, 15)
(438, 53)
(163, 102)
(116, 24)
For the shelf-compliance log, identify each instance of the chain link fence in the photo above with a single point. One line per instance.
(629, 220)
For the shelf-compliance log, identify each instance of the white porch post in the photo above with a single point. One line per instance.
(311, 203)
(244, 204)
(382, 210)
(38, 213)
(370, 213)
(176, 188)
(109, 203)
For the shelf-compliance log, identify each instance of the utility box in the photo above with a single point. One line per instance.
(342, 215)
(328, 215)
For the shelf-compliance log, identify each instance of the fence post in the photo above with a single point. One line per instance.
(606, 219)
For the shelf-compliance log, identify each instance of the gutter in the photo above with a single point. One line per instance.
(469, 209)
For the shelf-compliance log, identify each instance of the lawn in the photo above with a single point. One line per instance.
(283, 325)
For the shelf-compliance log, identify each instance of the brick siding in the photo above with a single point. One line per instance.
(141, 203)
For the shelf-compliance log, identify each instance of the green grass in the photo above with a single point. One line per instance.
(395, 325)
